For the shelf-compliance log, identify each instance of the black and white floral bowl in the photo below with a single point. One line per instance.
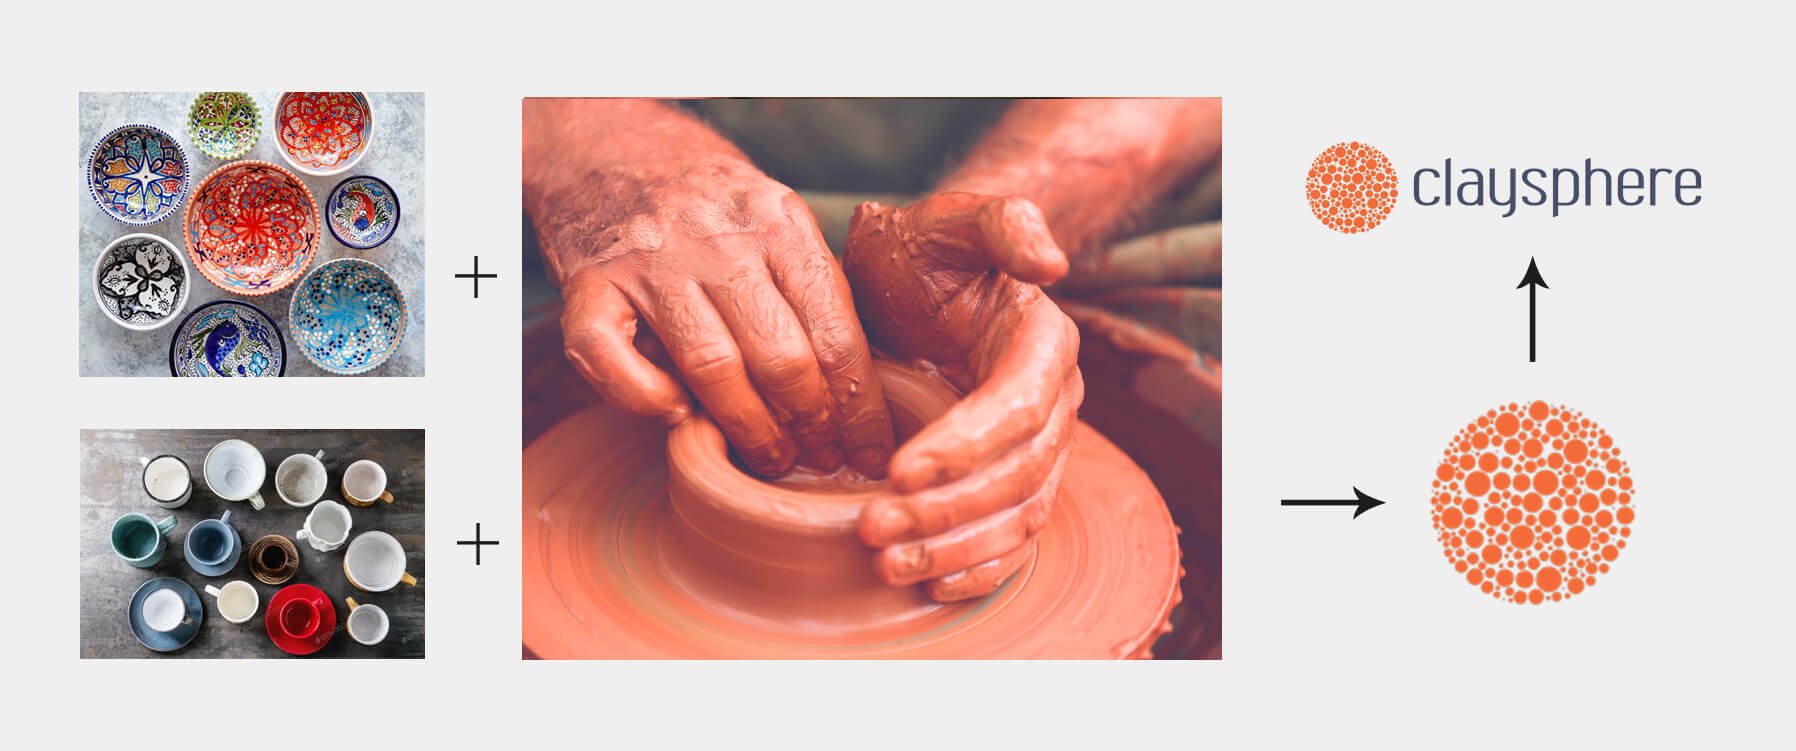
(141, 281)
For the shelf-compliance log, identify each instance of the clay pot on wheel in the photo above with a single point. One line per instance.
(790, 546)
(634, 553)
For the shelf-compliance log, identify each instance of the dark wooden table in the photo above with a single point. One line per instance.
(111, 486)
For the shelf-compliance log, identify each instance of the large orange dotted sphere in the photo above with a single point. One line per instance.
(1532, 503)
(1352, 187)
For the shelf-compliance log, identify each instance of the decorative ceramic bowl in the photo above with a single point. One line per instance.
(323, 132)
(224, 124)
(141, 281)
(362, 211)
(347, 316)
(138, 174)
(252, 227)
(227, 338)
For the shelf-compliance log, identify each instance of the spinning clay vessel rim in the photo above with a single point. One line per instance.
(598, 582)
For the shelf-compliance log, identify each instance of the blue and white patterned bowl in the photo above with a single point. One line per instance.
(228, 338)
(138, 174)
(347, 316)
(362, 211)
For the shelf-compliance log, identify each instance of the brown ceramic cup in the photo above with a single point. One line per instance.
(273, 559)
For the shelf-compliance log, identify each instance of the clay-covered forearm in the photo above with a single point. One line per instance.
(1092, 165)
(592, 165)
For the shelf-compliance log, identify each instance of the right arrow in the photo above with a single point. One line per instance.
(1360, 502)
(1531, 280)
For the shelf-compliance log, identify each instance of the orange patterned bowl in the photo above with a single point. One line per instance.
(323, 132)
(252, 227)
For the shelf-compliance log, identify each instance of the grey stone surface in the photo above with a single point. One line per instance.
(395, 154)
(112, 486)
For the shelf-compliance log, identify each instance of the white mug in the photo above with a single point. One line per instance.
(365, 482)
(234, 471)
(167, 480)
(237, 600)
(298, 471)
(327, 527)
(375, 562)
(367, 624)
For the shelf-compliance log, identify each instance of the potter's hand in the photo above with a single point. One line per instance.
(951, 279)
(729, 270)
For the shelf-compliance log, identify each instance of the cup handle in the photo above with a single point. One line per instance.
(143, 461)
(351, 601)
(165, 525)
(319, 456)
(255, 501)
(214, 591)
(409, 580)
(386, 496)
(226, 517)
(302, 535)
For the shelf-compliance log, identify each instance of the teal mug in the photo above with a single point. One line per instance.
(140, 540)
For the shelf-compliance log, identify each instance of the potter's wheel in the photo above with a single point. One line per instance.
(609, 570)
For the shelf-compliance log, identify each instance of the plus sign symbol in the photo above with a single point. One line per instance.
(477, 542)
(476, 276)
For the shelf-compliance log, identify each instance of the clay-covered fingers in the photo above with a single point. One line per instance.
(973, 543)
(983, 232)
(705, 352)
(777, 354)
(813, 282)
(980, 580)
(1017, 239)
(1007, 481)
(1036, 355)
(598, 326)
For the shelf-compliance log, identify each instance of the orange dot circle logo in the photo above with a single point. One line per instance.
(1532, 503)
(1352, 187)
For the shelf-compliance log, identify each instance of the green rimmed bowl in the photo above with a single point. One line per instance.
(224, 124)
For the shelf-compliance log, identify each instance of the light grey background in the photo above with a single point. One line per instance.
(395, 154)
(1341, 633)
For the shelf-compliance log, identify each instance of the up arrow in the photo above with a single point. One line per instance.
(1533, 281)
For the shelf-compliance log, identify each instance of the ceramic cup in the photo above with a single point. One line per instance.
(364, 483)
(234, 471)
(163, 610)
(375, 562)
(213, 546)
(327, 527)
(273, 559)
(367, 623)
(140, 540)
(298, 618)
(167, 481)
(300, 479)
(237, 600)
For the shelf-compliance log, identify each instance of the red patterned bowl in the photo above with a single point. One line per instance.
(323, 132)
(252, 227)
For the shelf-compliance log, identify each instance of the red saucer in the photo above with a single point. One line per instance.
(327, 615)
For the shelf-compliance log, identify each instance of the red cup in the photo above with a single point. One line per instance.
(299, 618)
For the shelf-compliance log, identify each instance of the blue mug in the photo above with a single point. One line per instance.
(141, 540)
(213, 546)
